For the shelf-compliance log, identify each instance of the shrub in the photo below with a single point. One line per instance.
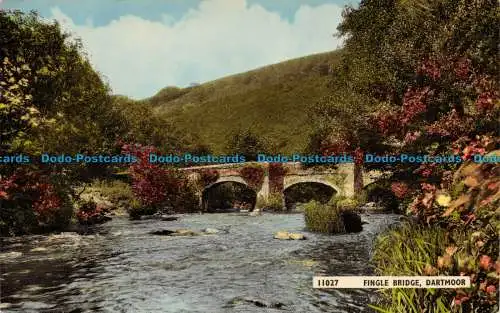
(361, 197)
(116, 191)
(323, 218)
(186, 201)
(345, 203)
(253, 174)
(90, 213)
(261, 202)
(154, 186)
(136, 210)
(32, 201)
(274, 202)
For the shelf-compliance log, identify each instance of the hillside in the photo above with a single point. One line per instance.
(272, 101)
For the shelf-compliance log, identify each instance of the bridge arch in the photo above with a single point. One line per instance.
(380, 192)
(305, 179)
(227, 179)
(214, 199)
(299, 191)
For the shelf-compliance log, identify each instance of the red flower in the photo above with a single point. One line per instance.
(428, 187)
(414, 103)
(461, 299)
(3, 195)
(485, 262)
(412, 136)
(486, 101)
(387, 122)
(430, 68)
(463, 68)
(399, 189)
(491, 289)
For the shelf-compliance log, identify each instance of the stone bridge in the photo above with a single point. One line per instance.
(340, 178)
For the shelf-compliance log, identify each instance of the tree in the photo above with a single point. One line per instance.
(57, 84)
(143, 126)
(430, 68)
(246, 143)
(342, 127)
(51, 100)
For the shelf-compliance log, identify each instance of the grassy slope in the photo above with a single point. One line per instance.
(272, 101)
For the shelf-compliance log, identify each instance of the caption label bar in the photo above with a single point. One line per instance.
(382, 282)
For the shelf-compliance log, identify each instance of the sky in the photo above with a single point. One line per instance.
(142, 46)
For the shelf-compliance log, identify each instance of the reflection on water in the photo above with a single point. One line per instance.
(122, 268)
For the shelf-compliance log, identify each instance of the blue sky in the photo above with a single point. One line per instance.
(141, 46)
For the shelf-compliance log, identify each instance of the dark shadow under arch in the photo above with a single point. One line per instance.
(227, 196)
(380, 193)
(303, 192)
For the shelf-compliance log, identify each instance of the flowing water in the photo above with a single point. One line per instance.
(123, 268)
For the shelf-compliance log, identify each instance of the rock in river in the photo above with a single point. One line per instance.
(352, 222)
(178, 232)
(211, 231)
(163, 232)
(169, 218)
(284, 235)
(185, 232)
(297, 236)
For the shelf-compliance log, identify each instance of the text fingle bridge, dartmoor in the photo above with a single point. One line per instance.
(341, 178)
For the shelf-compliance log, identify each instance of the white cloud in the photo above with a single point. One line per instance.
(219, 38)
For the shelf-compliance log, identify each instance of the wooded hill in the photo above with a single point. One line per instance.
(272, 102)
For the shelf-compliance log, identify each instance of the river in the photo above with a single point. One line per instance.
(123, 268)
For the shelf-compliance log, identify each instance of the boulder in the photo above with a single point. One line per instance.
(370, 205)
(163, 232)
(255, 212)
(184, 232)
(178, 232)
(169, 218)
(352, 222)
(211, 231)
(257, 302)
(284, 235)
(297, 236)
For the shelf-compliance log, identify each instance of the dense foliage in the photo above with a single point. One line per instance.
(154, 186)
(32, 201)
(51, 100)
(428, 75)
(141, 125)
